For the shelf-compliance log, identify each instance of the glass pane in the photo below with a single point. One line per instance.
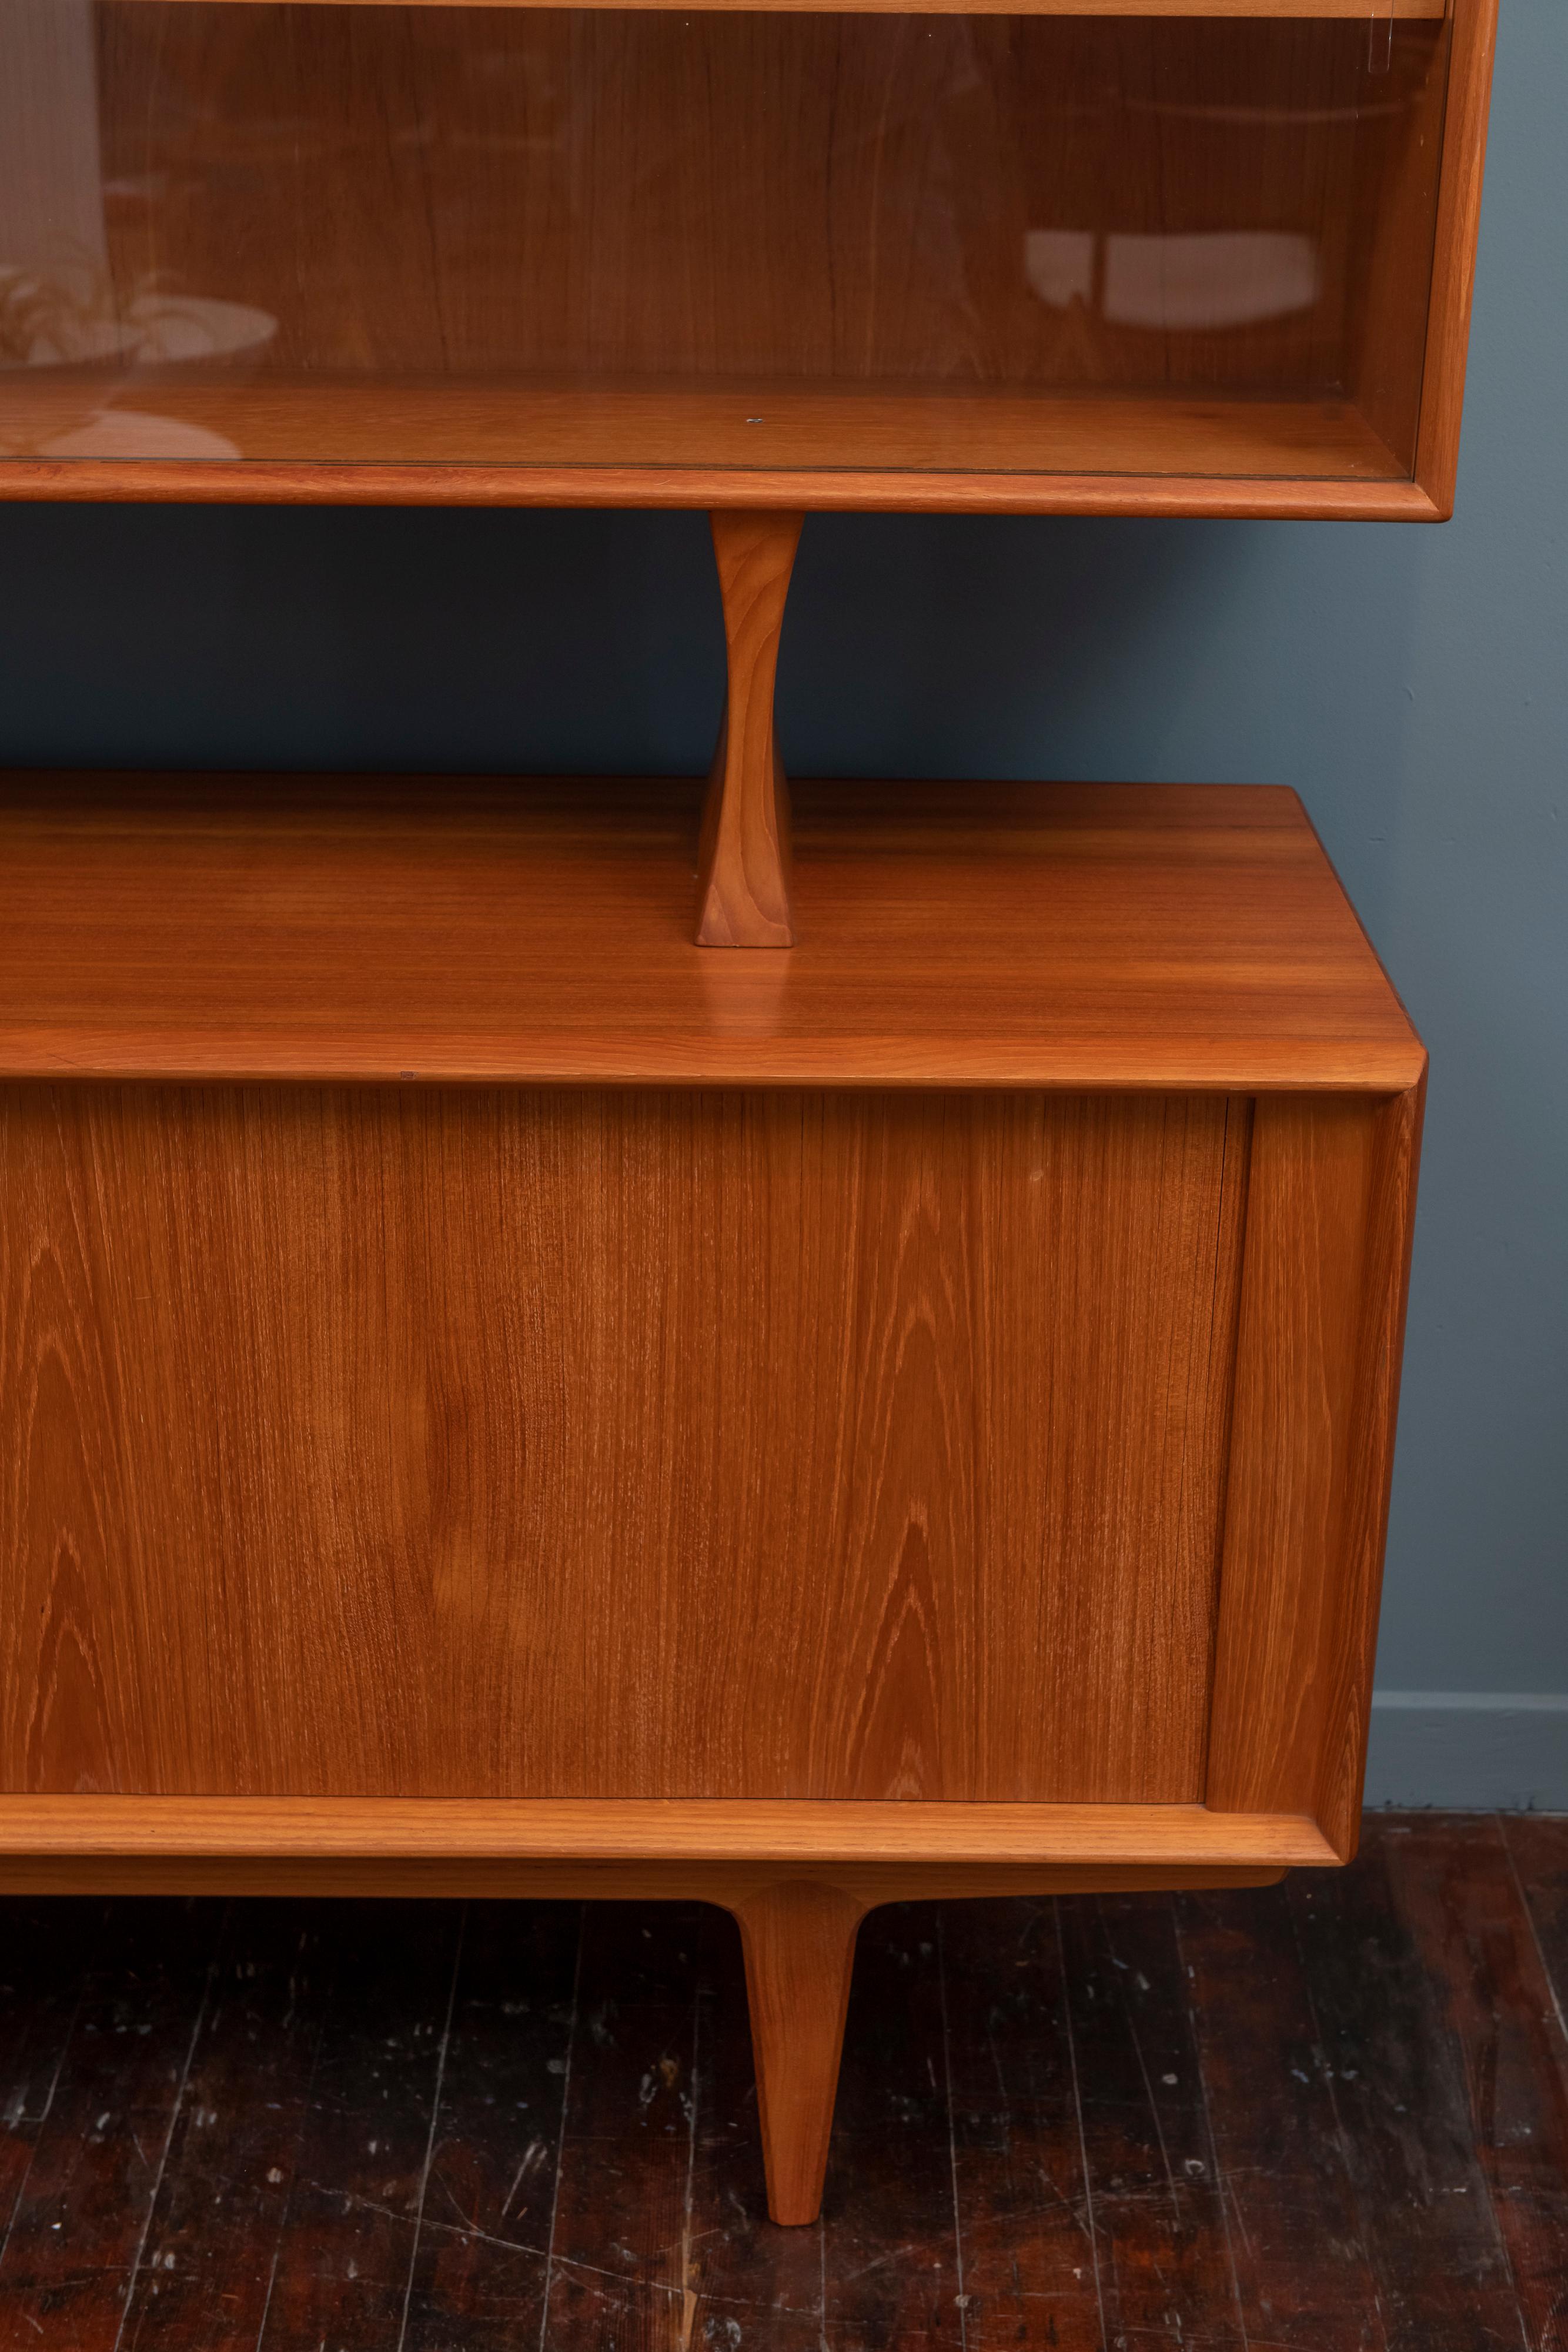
(517, 236)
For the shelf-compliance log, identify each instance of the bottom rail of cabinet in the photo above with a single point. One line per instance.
(799, 1911)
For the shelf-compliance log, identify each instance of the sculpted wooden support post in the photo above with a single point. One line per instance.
(799, 1939)
(743, 894)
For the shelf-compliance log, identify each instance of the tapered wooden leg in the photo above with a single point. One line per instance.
(799, 1939)
(743, 894)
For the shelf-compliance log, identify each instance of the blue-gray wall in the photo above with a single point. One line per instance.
(1411, 683)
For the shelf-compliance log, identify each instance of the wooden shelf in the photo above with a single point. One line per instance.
(948, 934)
(764, 427)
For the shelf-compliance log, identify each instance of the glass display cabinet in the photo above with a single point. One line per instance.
(1207, 262)
(496, 1396)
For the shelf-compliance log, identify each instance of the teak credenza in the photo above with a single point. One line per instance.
(494, 1398)
(498, 1396)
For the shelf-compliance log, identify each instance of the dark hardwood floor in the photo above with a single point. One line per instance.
(1329, 2116)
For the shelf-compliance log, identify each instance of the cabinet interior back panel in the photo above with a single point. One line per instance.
(612, 1443)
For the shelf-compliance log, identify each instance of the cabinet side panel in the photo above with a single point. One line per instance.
(1326, 1265)
(1454, 268)
(1399, 154)
(575, 1443)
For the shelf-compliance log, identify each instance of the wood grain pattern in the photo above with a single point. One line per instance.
(100, 2145)
(357, 2175)
(1412, 2140)
(892, 2269)
(621, 2260)
(1021, 2212)
(1538, 1849)
(740, 1446)
(1279, 2149)
(207, 2273)
(759, 1836)
(1457, 1885)
(478, 2275)
(1157, 2240)
(429, 929)
(49, 1946)
(743, 864)
(1330, 1208)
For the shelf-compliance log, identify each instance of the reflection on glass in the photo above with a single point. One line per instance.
(1217, 278)
(514, 236)
(63, 305)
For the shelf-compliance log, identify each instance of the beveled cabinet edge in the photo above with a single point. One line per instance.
(1290, 1695)
(820, 490)
(1391, 1218)
(1474, 40)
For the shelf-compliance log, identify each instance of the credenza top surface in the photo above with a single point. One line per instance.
(207, 927)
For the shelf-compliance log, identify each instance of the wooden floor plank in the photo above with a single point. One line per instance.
(480, 2274)
(1164, 2268)
(746, 2274)
(47, 1948)
(1456, 1884)
(1331, 2117)
(218, 2221)
(1537, 1846)
(620, 2266)
(891, 2254)
(1022, 2208)
(1304, 2280)
(82, 2217)
(1396, 2069)
(344, 2265)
